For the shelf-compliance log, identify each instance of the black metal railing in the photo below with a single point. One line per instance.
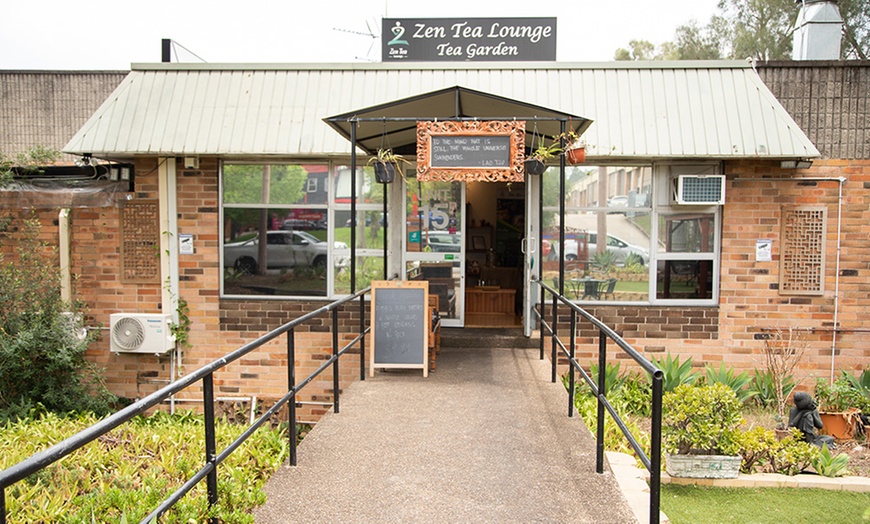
(651, 462)
(205, 374)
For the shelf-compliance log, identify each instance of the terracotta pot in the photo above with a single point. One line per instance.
(841, 426)
(576, 155)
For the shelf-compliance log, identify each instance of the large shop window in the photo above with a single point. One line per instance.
(275, 237)
(625, 240)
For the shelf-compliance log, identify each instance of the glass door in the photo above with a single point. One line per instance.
(531, 257)
(434, 245)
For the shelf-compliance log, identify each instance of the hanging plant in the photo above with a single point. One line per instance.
(535, 163)
(386, 164)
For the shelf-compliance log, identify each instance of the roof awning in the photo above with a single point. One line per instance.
(394, 124)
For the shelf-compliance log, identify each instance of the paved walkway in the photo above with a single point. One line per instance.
(485, 438)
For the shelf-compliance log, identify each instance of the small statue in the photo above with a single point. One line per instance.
(805, 416)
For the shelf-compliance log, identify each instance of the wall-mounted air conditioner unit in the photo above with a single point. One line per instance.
(699, 190)
(140, 333)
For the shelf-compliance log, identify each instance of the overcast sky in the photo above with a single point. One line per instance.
(112, 34)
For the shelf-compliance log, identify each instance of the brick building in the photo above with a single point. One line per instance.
(221, 152)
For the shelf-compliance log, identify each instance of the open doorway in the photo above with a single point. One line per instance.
(495, 227)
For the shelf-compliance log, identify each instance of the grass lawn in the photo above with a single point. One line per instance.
(702, 505)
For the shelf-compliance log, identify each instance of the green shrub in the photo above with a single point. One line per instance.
(125, 474)
(42, 339)
(839, 396)
(763, 390)
(738, 383)
(604, 261)
(701, 419)
(674, 372)
(762, 451)
(829, 465)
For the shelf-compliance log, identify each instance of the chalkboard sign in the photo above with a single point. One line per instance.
(466, 150)
(470, 151)
(399, 325)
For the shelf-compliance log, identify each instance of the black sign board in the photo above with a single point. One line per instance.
(468, 39)
(470, 151)
(399, 325)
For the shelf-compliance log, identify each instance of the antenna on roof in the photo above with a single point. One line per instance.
(369, 33)
(168, 46)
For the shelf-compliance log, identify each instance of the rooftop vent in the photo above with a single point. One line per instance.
(818, 30)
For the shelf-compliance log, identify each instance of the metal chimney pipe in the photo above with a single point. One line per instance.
(166, 45)
(818, 30)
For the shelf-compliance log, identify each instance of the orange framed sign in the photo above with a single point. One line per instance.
(490, 151)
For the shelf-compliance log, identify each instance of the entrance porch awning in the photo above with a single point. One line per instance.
(394, 125)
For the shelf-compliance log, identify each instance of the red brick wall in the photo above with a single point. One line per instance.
(730, 332)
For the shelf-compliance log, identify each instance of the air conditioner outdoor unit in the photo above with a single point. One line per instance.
(699, 190)
(140, 333)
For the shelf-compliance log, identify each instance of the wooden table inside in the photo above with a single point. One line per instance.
(490, 306)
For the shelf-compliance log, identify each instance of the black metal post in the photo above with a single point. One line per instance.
(573, 348)
(543, 294)
(386, 226)
(362, 341)
(655, 474)
(166, 50)
(353, 206)
(335, 381)
(291, 386)
(553, 339)
(210, 446)
(599, 433)
(561, 210)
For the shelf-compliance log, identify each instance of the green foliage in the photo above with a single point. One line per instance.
(839, 396)
(245, 184)
(604, 260)
(701, 419)
(761, 450)
(764, 391)
(42, 361)
(633, 263)
(738, 383)
(829, 465)
(614, 440)
(31, 161)
(675, 373)
(130, 470)
(861, 385)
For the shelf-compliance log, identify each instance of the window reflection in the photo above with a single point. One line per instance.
(684, 279)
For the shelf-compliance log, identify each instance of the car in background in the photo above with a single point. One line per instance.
(443, 241)
(284, 249)
(619, 247)
(617, 201)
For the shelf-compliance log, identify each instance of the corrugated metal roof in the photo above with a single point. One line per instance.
(640, 110)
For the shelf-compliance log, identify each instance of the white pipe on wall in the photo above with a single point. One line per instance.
(169, 278)
(64, 248)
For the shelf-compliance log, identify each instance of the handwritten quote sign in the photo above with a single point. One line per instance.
(470, 151)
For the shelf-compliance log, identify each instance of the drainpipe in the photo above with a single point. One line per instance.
(842, 181)
(168, 212)
(64, 248)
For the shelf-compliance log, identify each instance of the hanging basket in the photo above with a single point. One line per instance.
(385, 172)
(533, 166)
(576, 155)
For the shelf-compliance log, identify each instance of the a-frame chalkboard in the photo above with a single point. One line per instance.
(400, 331)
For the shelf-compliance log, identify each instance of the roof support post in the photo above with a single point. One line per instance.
(353, 207)
(561, 209)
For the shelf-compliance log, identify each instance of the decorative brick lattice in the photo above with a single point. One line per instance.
(140, 242)
(802, 260)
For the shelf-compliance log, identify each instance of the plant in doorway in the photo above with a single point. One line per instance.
(536, 162)
(386, 164)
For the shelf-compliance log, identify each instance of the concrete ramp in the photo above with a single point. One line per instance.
(485, 438)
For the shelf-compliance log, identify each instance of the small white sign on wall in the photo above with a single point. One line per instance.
(185, 244)
(763, 248)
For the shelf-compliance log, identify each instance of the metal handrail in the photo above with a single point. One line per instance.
(208, 472)
(653, 462)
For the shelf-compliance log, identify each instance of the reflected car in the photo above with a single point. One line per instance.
(617, 201)
(285, 249)
(619, 247)
(444, 242)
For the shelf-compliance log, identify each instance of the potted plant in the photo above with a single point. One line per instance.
(386, 164)
(700, 431)
(839, 408)
(535, 164)
(575, 149)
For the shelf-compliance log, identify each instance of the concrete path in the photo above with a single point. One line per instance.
(485, 438)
